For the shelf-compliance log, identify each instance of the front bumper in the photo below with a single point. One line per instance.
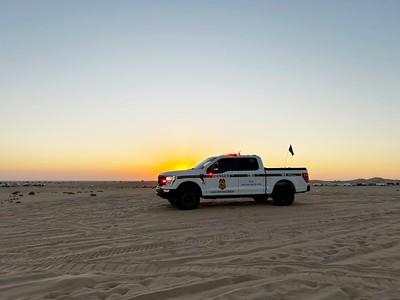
(165, 193)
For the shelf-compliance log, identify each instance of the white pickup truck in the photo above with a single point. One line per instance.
(232, 175)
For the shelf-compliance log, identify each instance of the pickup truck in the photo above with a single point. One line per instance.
(229, 176)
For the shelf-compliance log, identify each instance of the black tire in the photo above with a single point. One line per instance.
(172, 201)
(188, 199)
(283, 195)
(261, 198)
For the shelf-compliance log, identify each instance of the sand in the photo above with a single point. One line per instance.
(126, 243)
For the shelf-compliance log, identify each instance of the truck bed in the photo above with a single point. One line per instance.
(285, 169)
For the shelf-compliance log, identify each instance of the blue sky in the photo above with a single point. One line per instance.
(102, 84)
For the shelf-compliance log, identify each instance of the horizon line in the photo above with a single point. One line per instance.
(146, 180)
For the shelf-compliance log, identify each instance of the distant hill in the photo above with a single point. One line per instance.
(363, 181)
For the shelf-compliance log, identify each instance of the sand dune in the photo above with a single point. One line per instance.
(125, 243)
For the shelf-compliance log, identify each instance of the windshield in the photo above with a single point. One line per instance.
(205, 163)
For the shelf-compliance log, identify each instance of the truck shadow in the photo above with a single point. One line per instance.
(234, 203)
(240, 203)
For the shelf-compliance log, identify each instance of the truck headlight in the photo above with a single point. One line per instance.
(170, 180)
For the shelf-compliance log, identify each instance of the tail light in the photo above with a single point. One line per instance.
(305, 177)
(162, 180)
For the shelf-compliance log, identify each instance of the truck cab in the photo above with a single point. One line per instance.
(235, 175)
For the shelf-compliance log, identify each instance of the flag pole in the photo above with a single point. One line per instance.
(287, 153)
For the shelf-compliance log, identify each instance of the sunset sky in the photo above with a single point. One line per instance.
(121, 90)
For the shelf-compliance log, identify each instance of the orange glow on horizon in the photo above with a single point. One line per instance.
(147, 164)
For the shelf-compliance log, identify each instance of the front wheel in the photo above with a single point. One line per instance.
(283, 195)
(188, 199)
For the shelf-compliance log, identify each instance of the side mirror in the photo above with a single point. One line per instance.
(213, 169)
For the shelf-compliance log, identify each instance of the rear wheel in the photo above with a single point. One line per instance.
(188, 199)
(283, 195)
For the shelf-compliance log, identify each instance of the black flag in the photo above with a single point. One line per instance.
(291, 150)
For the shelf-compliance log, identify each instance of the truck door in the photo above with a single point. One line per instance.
(220, 179)
(251, 176)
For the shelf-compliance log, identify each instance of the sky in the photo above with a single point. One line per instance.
(122, 90)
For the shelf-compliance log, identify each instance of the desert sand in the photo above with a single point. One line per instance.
(126, 243)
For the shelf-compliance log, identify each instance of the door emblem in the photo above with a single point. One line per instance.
(222, 184)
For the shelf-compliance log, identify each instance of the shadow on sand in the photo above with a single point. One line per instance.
(232, 203)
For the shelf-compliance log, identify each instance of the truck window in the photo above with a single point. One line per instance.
(224, 165)
(247, 164)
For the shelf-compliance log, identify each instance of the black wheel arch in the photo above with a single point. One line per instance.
(284, 184)
(190, 185)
